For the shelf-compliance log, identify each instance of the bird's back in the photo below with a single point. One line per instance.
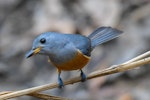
(82, 43)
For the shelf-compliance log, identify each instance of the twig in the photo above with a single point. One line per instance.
(5, 92)
(146, 54)
(39, 95)
(47, 97)
(111, 70)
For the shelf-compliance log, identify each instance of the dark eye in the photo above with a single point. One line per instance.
(43, 40)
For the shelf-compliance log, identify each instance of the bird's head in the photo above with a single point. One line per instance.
(41, 44)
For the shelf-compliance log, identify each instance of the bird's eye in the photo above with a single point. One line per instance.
(43, 40)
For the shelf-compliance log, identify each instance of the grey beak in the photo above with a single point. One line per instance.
(33, 52)
(29, 54)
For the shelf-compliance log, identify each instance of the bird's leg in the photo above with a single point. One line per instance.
(83, 76)
(60, 82)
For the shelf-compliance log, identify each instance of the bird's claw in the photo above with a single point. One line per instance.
(83, 76)
(60, 83)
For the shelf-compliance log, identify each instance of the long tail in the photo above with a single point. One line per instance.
(102, 35)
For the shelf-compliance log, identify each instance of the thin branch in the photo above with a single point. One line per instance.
(146, 54)
(47, 97)
(40, 96)
(5, 92)
(111, 70)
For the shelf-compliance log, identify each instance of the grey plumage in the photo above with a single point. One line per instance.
(102, 35)
(56, 42)
(70, 51)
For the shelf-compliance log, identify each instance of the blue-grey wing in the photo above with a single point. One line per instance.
(81, 42)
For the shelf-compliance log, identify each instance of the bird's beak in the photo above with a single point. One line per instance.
(33, 52)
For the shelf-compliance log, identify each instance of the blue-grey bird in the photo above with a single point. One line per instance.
(70, 51)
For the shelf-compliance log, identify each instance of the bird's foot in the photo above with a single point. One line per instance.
(83, 76)
(60, 83)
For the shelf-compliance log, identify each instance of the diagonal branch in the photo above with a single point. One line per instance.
(136, 62)
(40, 96)
(47, 97)
(144, 55)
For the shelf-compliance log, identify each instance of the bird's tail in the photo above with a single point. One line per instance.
(102, 35)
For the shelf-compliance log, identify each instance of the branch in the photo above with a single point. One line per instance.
(40, 95)
(146, 54)
(47, 97)
(135, 62)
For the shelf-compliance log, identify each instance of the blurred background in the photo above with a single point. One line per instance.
(22, 20)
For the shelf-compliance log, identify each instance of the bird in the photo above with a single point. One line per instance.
(68, 52)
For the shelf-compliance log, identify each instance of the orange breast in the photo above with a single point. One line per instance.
(78, 62)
